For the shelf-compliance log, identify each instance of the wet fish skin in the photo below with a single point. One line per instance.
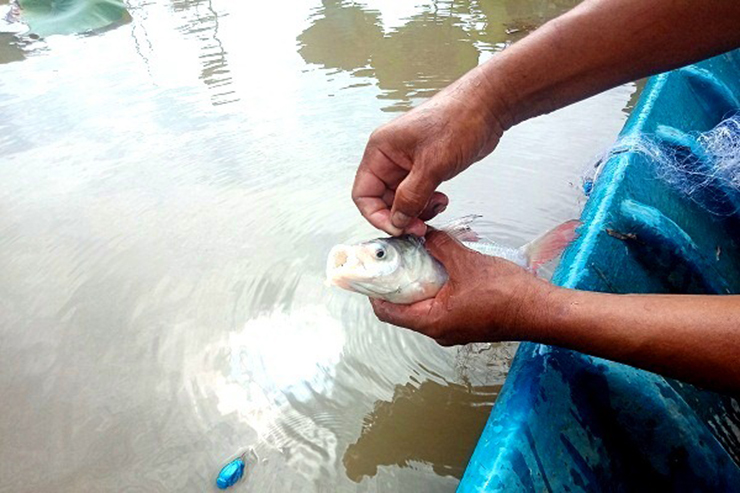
(493, 249)
(401, 270)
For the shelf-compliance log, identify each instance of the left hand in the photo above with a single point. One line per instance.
(486, 299)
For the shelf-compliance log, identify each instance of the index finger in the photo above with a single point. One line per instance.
(368, 194)
(374, 188)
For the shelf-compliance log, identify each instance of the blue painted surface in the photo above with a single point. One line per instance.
(230, 473)
(570, 422)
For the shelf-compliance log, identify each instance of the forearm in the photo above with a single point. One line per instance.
(692, 338)
(598, 45)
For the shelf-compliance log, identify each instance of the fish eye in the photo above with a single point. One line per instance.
(379, 253)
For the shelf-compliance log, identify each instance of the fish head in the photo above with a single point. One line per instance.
(360, 267)
(399, 269)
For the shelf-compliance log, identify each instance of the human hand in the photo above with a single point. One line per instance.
(408, 158)
(485, 299)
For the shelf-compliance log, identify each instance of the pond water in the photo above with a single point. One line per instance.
(171, 186)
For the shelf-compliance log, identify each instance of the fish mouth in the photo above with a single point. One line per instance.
(341, 268)
(339, 258)
(345, 270)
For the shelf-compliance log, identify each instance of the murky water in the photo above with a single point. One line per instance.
(170, 188)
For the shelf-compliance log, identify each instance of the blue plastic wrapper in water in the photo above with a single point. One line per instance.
(230, 474)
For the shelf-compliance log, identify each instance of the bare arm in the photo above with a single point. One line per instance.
(601, 44)
(693, 338)
(596, 46)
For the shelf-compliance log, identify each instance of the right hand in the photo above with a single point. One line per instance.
(406, 159)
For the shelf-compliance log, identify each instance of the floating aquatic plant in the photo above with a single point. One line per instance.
(47, 17)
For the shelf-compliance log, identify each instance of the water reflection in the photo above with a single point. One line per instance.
(431, 423)
(13, 47)
(44, 18)
(287, 353)
(10, 49)
(202, 22)
(342, 35)
(197, 21)
(413, 57)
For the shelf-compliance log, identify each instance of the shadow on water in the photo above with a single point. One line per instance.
(438, 44)
(433, 423)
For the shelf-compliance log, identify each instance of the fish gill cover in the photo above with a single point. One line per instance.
(47, 17)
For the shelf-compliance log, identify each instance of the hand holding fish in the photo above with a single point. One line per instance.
(407, 159)
(486, 298)
(580, 54)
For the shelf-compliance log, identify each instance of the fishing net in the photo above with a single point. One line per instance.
(703, 167)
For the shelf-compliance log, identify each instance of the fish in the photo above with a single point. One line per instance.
(401, 270)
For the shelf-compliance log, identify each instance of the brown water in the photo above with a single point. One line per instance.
(170, 189)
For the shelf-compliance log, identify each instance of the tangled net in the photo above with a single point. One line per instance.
(707, 173)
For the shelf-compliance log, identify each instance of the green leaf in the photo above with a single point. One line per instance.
(46, 17)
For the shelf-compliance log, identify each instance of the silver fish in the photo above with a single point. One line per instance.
(401, 270)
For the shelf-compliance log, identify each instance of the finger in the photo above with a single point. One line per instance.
(388, 197)
(416, 227)
(437, 204)
(444, 247)
(414, 316)
(368, 193)
(377, 213)
(412, 197)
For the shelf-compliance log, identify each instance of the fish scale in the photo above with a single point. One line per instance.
(494, 249)
(401, 270)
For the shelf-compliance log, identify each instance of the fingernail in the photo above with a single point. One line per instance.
(399, 219)
(439, 208)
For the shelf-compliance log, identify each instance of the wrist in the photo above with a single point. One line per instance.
(495, 98)
(547, 308)
(478, 103)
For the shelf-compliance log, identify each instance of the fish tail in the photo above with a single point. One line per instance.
(551, 244)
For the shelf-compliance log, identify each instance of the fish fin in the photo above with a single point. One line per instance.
(460, 228)
(551, 244)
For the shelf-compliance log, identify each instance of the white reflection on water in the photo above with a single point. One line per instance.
(283, 353)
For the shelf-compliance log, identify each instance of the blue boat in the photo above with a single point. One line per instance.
(566, 421)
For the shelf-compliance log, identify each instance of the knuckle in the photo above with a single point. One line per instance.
(411, 197)
(356, 198)
(439, 240)
(378, 309)
(383, 315)
(435, 174)
(443, 239)
(378, 135)
(446, 342)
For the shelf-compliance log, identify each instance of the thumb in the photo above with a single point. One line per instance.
(444, 247)
(411, 198)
